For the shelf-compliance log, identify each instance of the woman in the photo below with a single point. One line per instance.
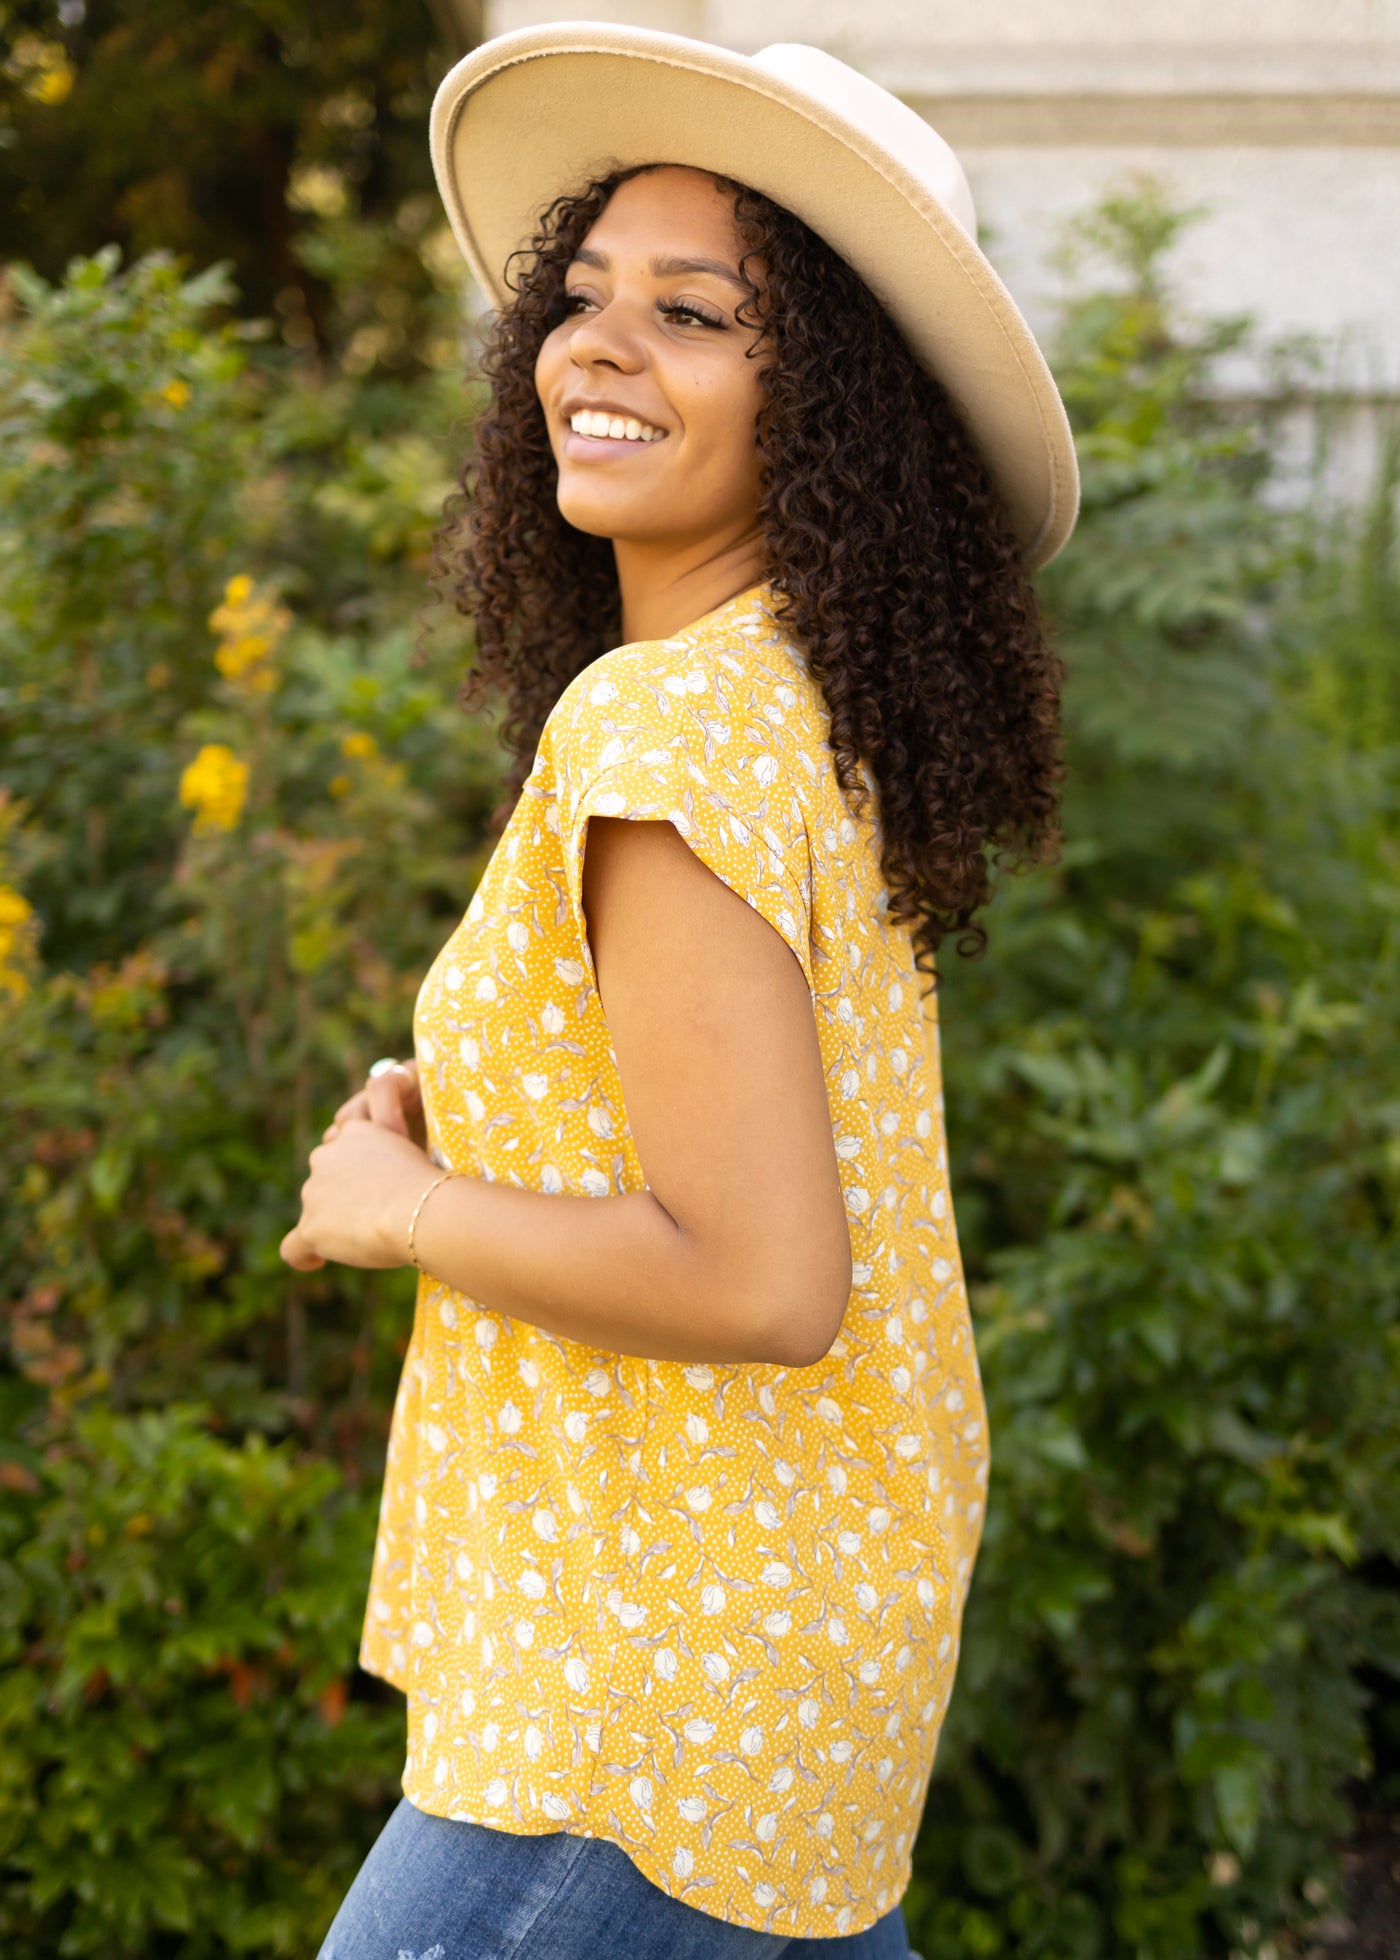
(688, 1459)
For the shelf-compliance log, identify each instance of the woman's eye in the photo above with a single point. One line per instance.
(681, 310)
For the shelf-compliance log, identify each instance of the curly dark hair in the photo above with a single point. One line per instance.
(891, 555)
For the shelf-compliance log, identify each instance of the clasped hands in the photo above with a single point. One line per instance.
(366, 1174)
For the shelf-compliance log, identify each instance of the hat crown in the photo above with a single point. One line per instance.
(878, 114)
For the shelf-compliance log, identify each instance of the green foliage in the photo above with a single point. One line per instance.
(181, 1770)
(1172, 1101)
(239, 815)
(239, 129)
(124, 439)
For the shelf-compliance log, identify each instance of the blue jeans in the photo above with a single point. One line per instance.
(431, 1889)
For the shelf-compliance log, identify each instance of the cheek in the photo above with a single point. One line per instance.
(548, 364)
(725, 419)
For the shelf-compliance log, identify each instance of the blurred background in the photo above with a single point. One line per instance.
(240, 810)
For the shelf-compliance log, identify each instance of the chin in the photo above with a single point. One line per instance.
(599, 517)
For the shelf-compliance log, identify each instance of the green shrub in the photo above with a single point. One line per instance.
(1172, 1101)
(181, 1769)
(239, 814)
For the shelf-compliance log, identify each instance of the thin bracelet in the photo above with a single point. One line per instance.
(419, 1206)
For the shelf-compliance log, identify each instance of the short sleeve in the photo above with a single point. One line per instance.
(646, 736)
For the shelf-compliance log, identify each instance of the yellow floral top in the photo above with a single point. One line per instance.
(710, 1613)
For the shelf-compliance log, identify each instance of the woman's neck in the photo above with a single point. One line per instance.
(663, 589)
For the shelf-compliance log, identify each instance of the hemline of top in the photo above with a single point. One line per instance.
(651, 1869)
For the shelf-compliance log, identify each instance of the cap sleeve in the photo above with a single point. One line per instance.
(643, 737)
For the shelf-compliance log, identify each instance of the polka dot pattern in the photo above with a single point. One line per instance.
(710, 1613)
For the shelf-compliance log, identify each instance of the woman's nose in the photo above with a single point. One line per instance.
(604, 336)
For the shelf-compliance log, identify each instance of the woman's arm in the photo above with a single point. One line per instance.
(739, 1249)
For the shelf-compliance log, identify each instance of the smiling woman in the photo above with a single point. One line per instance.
(654, 338)
(688, 1462)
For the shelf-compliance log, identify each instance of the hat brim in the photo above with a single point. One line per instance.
(532, 114)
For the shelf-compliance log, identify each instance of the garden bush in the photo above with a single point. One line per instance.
(241, 811)
(1173, 1101)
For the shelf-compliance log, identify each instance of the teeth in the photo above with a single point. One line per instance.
(619, 428)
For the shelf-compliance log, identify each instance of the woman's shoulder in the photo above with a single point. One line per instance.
(736, 662)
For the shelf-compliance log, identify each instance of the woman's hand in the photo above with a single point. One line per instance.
(394, 1099)
(357, 1201)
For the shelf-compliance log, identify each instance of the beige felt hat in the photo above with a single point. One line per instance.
(531, 114)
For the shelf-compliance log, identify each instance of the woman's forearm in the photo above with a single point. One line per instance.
(617, 1273)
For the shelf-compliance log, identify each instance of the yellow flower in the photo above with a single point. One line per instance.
(176, 392)
(16, 939)
(234, 658)
(339, 785)
(251, 627)
(55, 85)
(41, 68)
(14, 909)
(360, 743)
(215, 787)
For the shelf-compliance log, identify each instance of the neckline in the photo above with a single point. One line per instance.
(757, 590)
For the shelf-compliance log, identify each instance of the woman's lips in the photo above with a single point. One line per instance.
(603, 449)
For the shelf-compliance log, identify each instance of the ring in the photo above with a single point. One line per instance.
(385, 1064)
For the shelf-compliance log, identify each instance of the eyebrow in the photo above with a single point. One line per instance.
(666, 268)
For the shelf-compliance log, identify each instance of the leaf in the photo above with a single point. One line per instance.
(1239, 1798)
(994, 1860)
(1049, 1435)
(1326, 1532)
(108, 1175)
(1229, 1433)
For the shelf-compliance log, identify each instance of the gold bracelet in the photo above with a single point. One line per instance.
(419, 1206)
